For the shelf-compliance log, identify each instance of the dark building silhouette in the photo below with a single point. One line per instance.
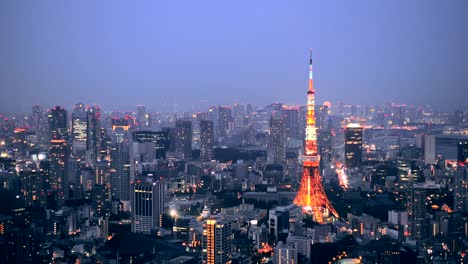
(206, 140)
(353, 145)
(183, 138)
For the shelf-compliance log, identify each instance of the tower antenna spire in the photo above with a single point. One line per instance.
(311, 195)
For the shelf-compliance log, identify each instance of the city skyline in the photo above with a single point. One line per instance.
(210, 56)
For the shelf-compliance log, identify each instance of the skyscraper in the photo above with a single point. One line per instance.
(416, 207)
(353, 145)
(277, 141)
(58, 158)
(462, 151)
(217, 236)
(183, 138)
(93, 133)
(147, 205)
(79, 130)
(206, 140)
(159, 139)
(142, 118)
(291, 121)
(38, 124)
(120, 171)
(57, 117)
(429, 149)
(224, 119)
(461, 189)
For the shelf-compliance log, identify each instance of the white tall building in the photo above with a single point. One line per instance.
(429, 149)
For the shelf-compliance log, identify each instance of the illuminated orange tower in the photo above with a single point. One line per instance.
(311, 195)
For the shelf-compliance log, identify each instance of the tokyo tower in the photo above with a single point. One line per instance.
(311, 195)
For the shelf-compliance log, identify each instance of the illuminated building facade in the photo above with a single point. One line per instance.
(58, 159)
(79, 130)
(147, 205)
(353, 145)
(311, 195)
(462, 151)
(206, 140)
(416, 207)
(216, 242)
(461, 188)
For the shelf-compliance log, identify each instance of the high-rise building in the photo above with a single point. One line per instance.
(285, 254)
(38, 124)
(142, 118)
(33, 187)
(224, 120)
(291, 121)
(277, 141)
(416, 207)
(120, 172)
(147, 205)
(93, 133)
(217, 237)
(461, 189)
(429, 149)
(58, 160)
(184, 229)
(159, 141)
(183, 138)
(79, 130)
(57, 117)
(206, 140)
(353, 145)
(462, 151)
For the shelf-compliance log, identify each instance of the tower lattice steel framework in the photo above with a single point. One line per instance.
(311, 195)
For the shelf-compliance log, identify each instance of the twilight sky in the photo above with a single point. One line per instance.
(197, 53)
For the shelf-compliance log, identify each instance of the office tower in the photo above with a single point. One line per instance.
(58, 161)
(322, 116)
(278, 222)
(79, 130)
(416, 207)
(285, 254)
(238, 115)
(206, 140)
(159, 139)
(38, 125)
(217, 236)
(121, 129)
(33, 187)
(311, 195)
(120, 172)
(291, 121)
(57, 117)
(353, 145)
(461, 189)
(142, 118)
(224, 120)
(183, 138)
(93, 133)
(277, 141)
(429, 149)
(147, 205)
(324, 140)
(462, 151)
(184, 229)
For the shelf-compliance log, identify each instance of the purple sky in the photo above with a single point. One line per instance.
(197, 53)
